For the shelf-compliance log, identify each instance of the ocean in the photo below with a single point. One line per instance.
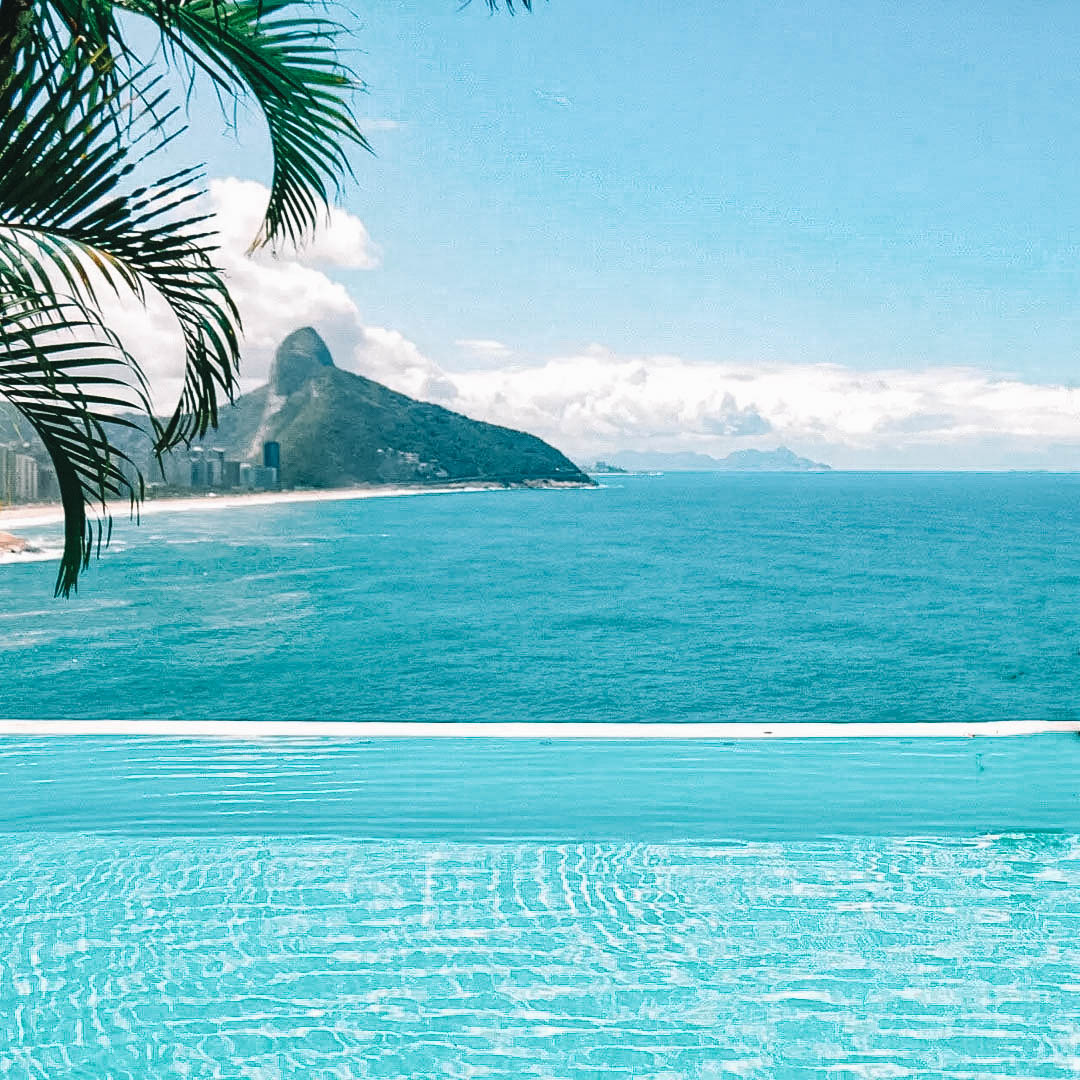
(686, 597)
(558, 909)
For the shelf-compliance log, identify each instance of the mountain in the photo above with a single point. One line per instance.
(336, 428)
(779, 460)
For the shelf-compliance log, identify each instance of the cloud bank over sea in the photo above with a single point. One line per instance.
(595, 401)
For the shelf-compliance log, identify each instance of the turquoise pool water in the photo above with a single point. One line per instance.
(559, 910)
(262, 957)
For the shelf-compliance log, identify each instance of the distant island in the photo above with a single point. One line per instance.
(779, 460)
(602, 467)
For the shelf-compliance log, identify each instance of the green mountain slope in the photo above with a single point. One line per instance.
(336, 428)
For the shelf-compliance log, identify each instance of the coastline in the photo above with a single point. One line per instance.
(33, 516)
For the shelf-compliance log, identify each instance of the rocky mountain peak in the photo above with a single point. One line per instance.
(300, 356)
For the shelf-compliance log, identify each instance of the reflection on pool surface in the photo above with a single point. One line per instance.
(261, 957)
(302, 909)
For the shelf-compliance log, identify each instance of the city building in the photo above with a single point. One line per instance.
(230, 474)
(198, 468)
(215, 467)
(26, 478)
(18, 476)
(210, 470)
(257, 477)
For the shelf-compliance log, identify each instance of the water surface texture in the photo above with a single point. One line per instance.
(554, 909)
(261, 958)
(489, 790)
(830, 597)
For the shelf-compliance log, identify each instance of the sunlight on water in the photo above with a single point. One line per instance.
(470, 908)
(264, 958)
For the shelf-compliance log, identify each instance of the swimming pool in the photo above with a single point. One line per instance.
(540, 908)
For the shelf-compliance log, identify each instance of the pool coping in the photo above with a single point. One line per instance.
(347, 729)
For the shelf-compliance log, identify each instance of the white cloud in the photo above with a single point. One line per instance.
(342, 240)
(276, 293)
(483, 348)
(597, 402)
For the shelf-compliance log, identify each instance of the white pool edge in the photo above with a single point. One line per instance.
(262, 729)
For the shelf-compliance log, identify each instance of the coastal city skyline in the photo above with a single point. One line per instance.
(27, 476)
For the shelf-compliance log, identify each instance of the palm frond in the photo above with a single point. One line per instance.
(78, 116)
(276, 51)
(69, 377)
(71, 224)
(67, 217)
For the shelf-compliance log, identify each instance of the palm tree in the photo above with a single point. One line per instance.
(81, 119)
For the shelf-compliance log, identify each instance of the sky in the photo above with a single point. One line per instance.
(850, 229)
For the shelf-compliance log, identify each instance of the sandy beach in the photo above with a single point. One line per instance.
(28, 517)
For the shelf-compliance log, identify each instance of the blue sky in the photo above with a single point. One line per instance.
(878, 186)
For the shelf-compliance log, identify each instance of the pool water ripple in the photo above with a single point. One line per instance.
(263, 958)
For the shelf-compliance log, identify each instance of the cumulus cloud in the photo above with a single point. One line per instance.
(484, 348)
(596, 402)
(342, 239)
(599, 402)
(275, 293)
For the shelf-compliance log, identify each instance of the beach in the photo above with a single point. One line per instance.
(36, 515)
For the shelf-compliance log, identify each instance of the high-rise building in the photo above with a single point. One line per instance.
(264, 478)
(210, 469)
(26, 478)
(215, 467)
(18, 476)
(198, 468)
(230, 474)
(257, 477)
(7, 475)
(272, 456)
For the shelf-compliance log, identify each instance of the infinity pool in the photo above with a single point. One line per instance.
(303, 908)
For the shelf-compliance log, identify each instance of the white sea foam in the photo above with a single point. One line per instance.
(35, 553)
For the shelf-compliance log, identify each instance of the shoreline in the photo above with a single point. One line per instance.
(36, 515)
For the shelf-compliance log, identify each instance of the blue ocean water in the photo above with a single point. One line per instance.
(560, 910)
(826, 597)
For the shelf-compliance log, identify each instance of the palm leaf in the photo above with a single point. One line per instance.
(68, 219)
(69, 377)
(71, 223)
(278, 51)
(76, 111)
(288, 62)
(290, 66)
